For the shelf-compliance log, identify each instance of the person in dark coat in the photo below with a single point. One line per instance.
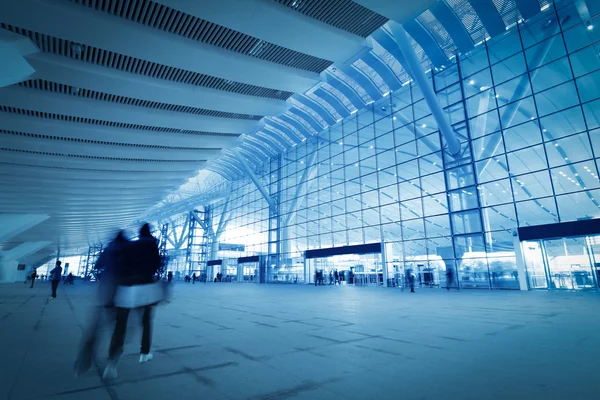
(56, 274)
(170, 277)
(109, 261)
(136, 284)
(33, 276)
(449, 278)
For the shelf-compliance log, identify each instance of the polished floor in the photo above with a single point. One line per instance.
(247, 341)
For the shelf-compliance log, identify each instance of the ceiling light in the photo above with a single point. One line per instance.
(471, 82)
(590, 26)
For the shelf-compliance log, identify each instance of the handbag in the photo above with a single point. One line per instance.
(139, 295)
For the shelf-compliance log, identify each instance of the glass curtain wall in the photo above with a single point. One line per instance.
(526, 107)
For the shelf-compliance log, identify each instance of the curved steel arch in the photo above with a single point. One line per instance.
(333, 101)
(316, 107)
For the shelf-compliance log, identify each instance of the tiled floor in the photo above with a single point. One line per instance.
(236, 341)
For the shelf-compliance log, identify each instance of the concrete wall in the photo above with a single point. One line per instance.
(8, 271)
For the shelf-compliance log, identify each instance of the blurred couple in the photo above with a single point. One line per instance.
(128, 280)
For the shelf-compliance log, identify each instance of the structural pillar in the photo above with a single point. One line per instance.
(520, 260)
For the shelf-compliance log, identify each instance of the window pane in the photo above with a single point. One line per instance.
(477, 82)
(460, 177)
(577, 206)
(463, 199)
(491, 169)
(504, 47)
(484, 124)
(409, 189)
(544, 52)
(574, 177)
(474, 62)
(589, 86)
(411, 209)
(437, 226)
(517, 112)
(495, 193)
(556, 99)
(413, 229)
(499, 218)
(466, 222)
(434, 183)
(532, 186)
(513, 90)
(537, 212)
(435, 204)
(527, 160)
(592, 114)
(586, 60)
(563, 123)
(508, 68)
(569, 150)
(488, 146)
(481, 103)
(551, 75)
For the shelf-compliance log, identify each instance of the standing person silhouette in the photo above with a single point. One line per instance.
(56, 274)
(137, 289)
(33, 276)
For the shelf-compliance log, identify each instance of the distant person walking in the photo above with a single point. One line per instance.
(194, 278)
(137, 289)
(449, 278)
(410, 277)
(170, 277)
(55, 275)
(33, 276)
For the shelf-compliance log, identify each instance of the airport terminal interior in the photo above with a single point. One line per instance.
(351, 199)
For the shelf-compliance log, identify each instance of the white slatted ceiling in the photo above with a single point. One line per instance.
(343, 14)
(167, 19)
(150, 69)
(40, 84)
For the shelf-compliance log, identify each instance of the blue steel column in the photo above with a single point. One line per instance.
(253, 177)
(419, 76)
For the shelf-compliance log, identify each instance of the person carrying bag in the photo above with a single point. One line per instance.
(137, 289)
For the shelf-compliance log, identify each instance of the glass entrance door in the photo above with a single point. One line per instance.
(571, 263)
(352, 269)
(594, 246)
(534, 262)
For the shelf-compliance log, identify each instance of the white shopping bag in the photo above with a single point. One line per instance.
(139, 295)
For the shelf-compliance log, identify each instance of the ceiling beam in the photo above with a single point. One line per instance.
(116, 165)
(89, 76)
(24, 181)
(84, 25)
(399, 11)
(101, 150)
(68, 129)
(42, 172)
(275, 23)
(57, 103)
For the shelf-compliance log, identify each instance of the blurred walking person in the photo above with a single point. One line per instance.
(137, 289)
(450, 278)
(111, 259)
(56, 274)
